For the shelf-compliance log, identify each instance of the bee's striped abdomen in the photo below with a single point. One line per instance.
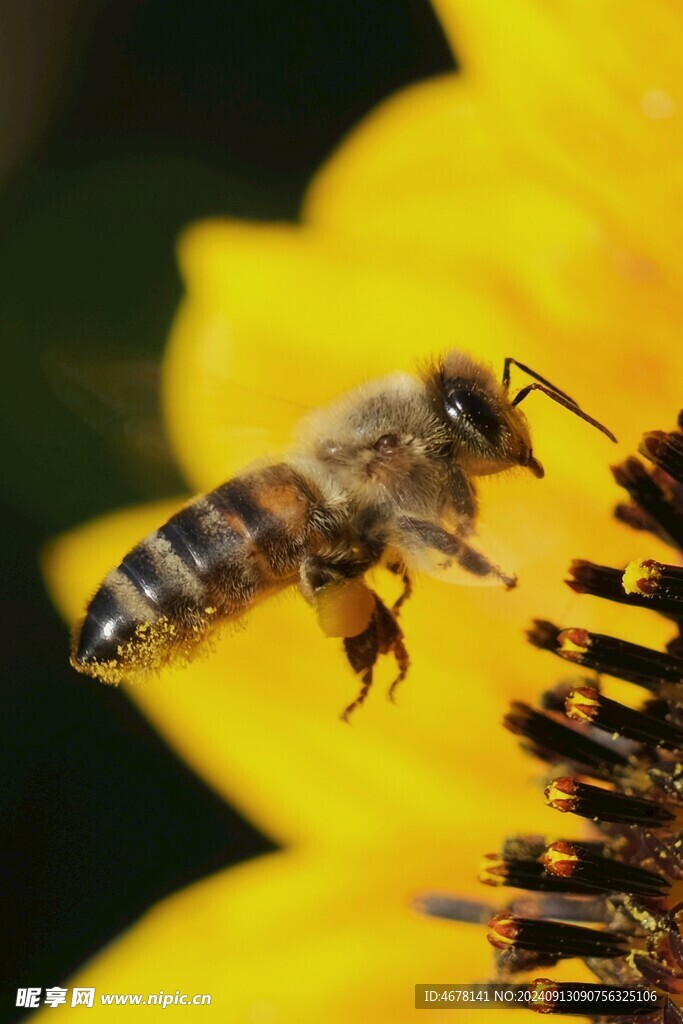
(208, 563)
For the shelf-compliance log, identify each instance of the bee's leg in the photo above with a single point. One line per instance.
(437, 551)
(390, 637)
(399, 569)
(462, 498)
(382, 635)
(362, 652)
(476, 563)
(348, 608)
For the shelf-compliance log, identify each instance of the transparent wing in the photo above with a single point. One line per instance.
(119, 397)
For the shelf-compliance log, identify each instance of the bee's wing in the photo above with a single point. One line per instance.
(433, 547)
(119, 397)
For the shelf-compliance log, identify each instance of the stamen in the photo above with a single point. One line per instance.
(590, 909)
(665, 450)
(532, 847)
(660, 974)
(555, 698)
(452, 908)
(569, 860)
(661, 853)
(637, 519)
(525, 874)
(543, 634)
(513, 960)
(570, 796)
(637, 664)
(635, 874)
(611, 585)
(588, 705)
(659, 586)
(569, 998)
(652, 498)
(552, 937)
(554, 741)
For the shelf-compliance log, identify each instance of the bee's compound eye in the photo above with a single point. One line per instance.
(466, 405)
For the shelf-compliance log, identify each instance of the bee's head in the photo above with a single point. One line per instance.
(488, 431)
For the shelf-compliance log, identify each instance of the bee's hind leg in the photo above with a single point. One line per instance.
(382, 635)
(399, 569)
(361, 652)
(346, 607)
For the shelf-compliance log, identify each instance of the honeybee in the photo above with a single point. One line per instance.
(384, 476)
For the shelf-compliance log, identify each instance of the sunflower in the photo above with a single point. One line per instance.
(624, 873)
(525, 206)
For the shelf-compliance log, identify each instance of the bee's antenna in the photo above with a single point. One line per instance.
(561, 399)
(509, 361)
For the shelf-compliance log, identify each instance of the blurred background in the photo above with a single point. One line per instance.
(121, 122)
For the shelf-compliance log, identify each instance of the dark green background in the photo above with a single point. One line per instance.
(170, 111)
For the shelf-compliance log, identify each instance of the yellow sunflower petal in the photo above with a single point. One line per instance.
(403, 151)
(276, 941)
(561, 265)
(592, 92)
